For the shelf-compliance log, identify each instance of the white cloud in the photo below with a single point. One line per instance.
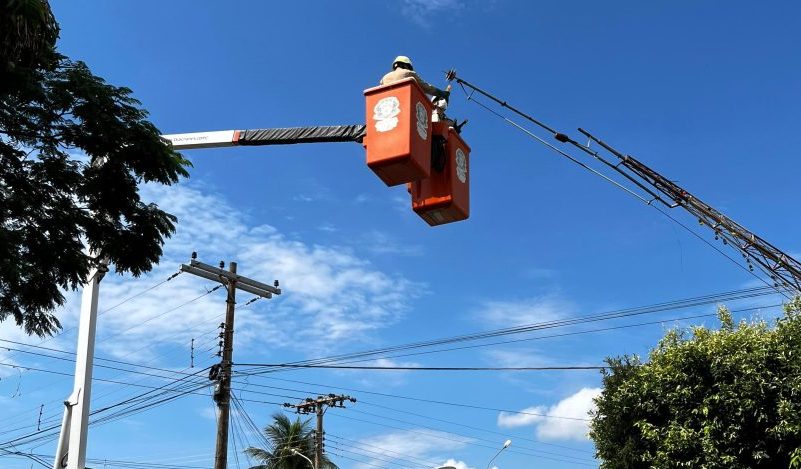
(10, 331)
(328, 228)
(402, 203)
(516, 358)
(428, 13)
(10, 351)
(537, 273)
(378, 242)
(525, 311)
(384, 379)
(333, 287)
(566, 420)
(419, 10)
(530, 416)
(459, 464)
(419, 445)
(362, 199)
(208, 412)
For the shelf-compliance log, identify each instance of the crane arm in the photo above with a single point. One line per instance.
(276, 136)
(783, 269)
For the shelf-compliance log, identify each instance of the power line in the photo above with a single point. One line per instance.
(221, 372)
(72, 360)
(610, 315)
(130, 409)
(401, 456)
(429, 368)
(462, 405)
(371, 464)
(61, 373)
(417, 399)
(376, 456)
(143, 400)
(564, 334)
(384, 417)
(54, 416)
(777, 265)
(463, 438)
(493, 432)
(128, 299)
(146, 290)
(140, 293)
(208, 292)
(114, 462)
(135, 404)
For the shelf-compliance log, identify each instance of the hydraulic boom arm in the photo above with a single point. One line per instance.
(783, 270)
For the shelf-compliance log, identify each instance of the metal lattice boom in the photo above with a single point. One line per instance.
(783, 269)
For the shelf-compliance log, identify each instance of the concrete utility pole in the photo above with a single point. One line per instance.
(318, 407)
(222, 372)
(71, 450)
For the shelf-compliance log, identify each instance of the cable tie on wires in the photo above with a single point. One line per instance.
(174, 275)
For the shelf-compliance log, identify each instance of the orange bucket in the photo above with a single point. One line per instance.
(399, 132)
(444, 197)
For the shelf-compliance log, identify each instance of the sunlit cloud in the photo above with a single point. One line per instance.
(566, 420)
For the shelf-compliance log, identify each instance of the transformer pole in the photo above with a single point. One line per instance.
(318, 407)
(224, 397)
(318, 436)
(222, 371)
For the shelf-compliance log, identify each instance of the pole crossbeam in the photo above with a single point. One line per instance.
(221, 373)
(318, 407)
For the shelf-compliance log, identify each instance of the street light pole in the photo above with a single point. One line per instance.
(298, 453)
(505, 445)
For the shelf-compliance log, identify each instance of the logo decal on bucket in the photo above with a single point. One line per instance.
(385, 114)
(461, 165)
(422, 121)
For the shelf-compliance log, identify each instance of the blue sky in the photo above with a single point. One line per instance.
(705, 94)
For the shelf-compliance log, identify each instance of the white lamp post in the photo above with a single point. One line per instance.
(298, 453)
(505, 445)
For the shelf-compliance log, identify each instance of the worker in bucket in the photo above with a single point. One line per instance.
(402, 68)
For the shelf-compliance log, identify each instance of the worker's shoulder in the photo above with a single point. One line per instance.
(397, 75)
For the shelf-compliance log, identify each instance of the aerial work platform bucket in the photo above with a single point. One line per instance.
(399, 132)
(444, 197)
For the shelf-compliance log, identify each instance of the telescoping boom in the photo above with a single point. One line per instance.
(653, 188)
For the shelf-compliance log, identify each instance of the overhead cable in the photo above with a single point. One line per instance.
(783, 270)
(430, 368)
(610, 315)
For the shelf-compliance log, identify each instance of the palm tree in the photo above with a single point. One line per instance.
(286, 437)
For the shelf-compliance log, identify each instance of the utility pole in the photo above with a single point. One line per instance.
(222, 371)
(318, 407)
(71, 449)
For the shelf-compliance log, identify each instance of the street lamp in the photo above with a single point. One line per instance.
(298, 453)
(505, 445)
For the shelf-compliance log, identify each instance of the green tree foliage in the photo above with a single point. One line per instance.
(73, 150)
(727, 398)
(795, 459)
(285, 436)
